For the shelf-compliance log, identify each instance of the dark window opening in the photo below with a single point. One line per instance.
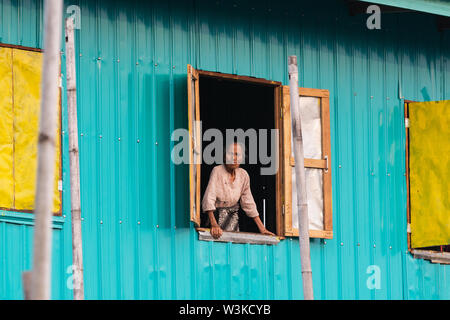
(230, 104)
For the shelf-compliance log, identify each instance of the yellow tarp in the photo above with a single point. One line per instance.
(22, 115)
(6, 130)
(27, 76)
(429, 163)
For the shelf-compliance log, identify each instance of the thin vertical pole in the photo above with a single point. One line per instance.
(77, 247)
(42, 242)
(302, 200)
(264, 212)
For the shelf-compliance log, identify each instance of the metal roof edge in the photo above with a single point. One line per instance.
(437, 7)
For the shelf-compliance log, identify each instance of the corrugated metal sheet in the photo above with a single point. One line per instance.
(131, 66)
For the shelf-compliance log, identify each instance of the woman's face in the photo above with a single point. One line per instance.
(233, 157)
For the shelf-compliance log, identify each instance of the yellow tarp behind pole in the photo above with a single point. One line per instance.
(18, 151)
(6, 130)
(429, 163)
(27, 78)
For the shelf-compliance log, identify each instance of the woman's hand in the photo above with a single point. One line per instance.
(216, 232)
(261, 227)
(266, 232)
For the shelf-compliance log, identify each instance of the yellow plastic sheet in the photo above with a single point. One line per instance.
(429, 173)
(27, 77)
(6, 129)
(18, 148)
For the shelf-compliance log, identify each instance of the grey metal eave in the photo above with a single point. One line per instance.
(433, 256)
(437, 7)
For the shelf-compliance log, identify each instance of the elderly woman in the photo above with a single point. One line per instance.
(229, 186)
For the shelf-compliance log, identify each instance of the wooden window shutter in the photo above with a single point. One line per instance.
(194, 143)
(315, 105)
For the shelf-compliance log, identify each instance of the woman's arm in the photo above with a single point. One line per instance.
(216, 231)
(209, 205)
(261, 227)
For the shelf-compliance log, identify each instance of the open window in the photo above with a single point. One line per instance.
(20, 74)
(427, 179)
(225, 101)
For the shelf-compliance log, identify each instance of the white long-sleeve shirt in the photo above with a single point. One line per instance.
(221, 192)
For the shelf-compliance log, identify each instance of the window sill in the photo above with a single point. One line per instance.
(238, 237)
(24, 218)
(434, 257)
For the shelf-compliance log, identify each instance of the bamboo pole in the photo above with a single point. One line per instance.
(26, 280)
(42, 242)
(302, 200)
(77, 247)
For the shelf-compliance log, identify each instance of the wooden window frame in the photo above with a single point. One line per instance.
(324, 163)
(408, 201)
(283, 181)
(58, 213)
(432, 255)
(193, 79)
(193, 114)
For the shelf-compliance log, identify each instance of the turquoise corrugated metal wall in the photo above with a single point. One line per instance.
(131, 64)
